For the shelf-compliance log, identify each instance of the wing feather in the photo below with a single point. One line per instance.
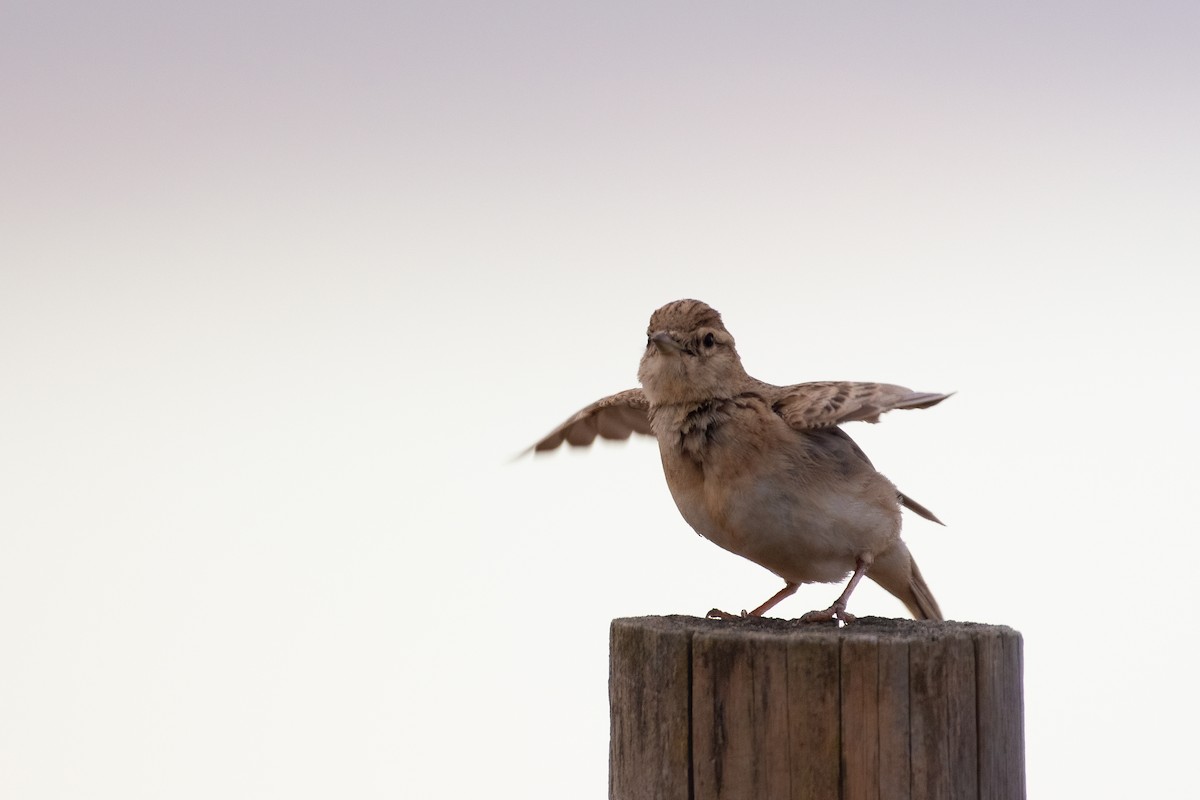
(824, 404)
(613, 417)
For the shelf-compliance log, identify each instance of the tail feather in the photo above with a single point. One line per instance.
(897, 572)
(922, 605)
(917, 508)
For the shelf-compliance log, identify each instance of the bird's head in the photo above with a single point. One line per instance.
(690, 357)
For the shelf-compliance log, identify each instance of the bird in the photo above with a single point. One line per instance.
(765, 471)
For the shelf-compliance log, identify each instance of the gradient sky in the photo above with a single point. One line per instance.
(284, 287)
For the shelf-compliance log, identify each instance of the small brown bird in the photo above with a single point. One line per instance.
(764, 471)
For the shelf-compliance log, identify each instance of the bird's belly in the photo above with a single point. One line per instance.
(800, 531)
(797, 536)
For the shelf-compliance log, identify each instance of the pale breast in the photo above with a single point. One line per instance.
(803, 505)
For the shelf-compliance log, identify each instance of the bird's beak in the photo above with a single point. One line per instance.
(665, 343)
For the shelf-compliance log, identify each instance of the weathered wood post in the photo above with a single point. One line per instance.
(773, 709)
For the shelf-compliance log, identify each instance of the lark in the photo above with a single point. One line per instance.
(766, 471)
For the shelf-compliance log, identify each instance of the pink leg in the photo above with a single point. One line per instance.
(788, 590)
(837, 611)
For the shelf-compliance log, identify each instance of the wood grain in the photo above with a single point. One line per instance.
(714, 710)
(649, 699)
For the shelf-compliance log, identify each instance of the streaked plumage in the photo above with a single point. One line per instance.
(764, 471)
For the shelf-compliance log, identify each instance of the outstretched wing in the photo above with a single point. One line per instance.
(827, 403)
(613, 417)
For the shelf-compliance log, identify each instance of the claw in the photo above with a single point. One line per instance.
(835, 613)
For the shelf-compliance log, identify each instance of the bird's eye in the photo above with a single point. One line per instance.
(709, 341)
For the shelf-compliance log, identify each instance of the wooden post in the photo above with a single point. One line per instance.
(769, 709)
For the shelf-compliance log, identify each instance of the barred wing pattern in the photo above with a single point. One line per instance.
(613, 417)
(824, 404)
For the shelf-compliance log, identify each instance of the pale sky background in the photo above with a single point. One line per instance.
(285, 286)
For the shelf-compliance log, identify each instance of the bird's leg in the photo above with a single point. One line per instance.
(787, 591)
(837, 611)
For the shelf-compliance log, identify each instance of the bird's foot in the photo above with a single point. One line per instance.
(717, 613)
(835, 613)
